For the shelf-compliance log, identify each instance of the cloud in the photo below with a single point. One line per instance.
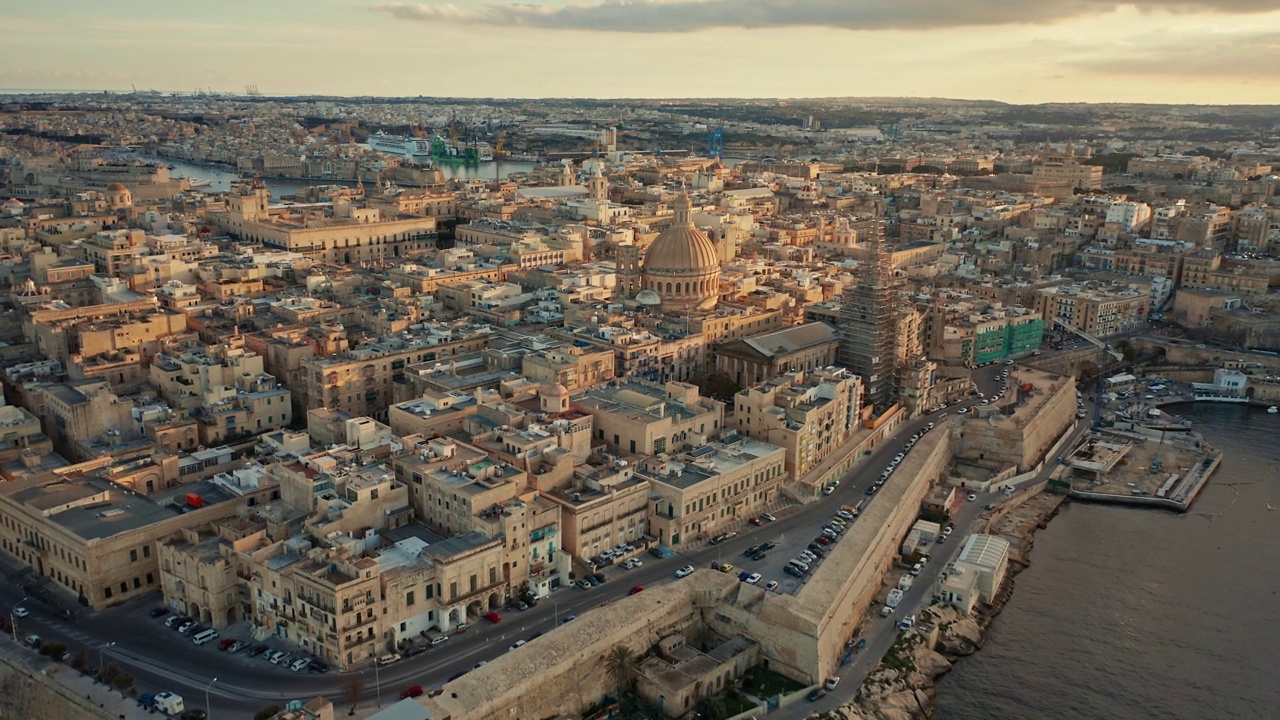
(655, 16)
(1233, 56)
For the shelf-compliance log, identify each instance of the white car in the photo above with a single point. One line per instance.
(767, 517)
(972, 497)
(771, 585)
(685, 571)
(517, 645)
(962, 411)
(20, 612)
(753, 578)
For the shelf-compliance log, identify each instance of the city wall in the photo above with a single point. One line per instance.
(802, 636)
(564, 671)
(29, 694)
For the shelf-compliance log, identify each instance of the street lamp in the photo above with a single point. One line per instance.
(556, 622)
(100, 649)
(377, 681)
(13, 619)
(207, 707)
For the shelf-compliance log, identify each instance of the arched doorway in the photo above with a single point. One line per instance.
(231, 616)
(495, 601)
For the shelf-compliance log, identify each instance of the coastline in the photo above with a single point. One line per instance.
(902, 687)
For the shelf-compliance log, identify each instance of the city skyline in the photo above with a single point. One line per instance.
(1192, 51)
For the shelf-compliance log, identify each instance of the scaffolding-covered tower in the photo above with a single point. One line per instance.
(869, 314)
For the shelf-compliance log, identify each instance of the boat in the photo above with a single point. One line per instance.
(1273, 409)
(198, 182)
(416, 150)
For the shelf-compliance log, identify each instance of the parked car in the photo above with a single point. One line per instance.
(831, 683)
(226, 643)
(584, 584)
(186, 627)
(300, 664)
(32, 641)
(388, 658)
(755, 521)
(258, 650)
(768, 545)
(635, 590)
(172, 621)
(725, 567)
(771, 585)
(793, 571)
(568, 618)
(517, 645)
(753, 578)
(159, 612)
(599, 578)
(412, 691)
(317, 666)
(493, 617)
(685, 571)
(815, 695)
(822, 540)
(767, 517)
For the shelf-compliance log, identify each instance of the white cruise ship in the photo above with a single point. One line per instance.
(416, 149)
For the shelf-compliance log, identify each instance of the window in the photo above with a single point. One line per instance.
(133, 556)
(124, 587)
(151, 579)
(146, 551)
(408, 601)
(107, 592)
(137, 583)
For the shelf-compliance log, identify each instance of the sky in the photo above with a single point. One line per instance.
(1019, 51)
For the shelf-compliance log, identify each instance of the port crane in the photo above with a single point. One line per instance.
(715, 142)
(1104, 350)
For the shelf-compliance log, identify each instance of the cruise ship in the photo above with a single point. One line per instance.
(416, 149)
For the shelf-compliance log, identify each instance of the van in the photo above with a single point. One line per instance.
(799, 564)
(204, 636)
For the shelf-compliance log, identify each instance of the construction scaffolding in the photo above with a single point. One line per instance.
(869, 313)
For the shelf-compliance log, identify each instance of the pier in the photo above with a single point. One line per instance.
(1133, 469)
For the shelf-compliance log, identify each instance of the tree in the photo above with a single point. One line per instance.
(351, 692)
(622, 666)
(718, 385)
(81, 659)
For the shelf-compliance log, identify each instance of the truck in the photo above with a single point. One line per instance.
(168, 703)
(895, 597)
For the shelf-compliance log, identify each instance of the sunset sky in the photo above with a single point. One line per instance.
(1027, 51)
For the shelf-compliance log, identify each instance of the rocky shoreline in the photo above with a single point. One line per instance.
(902, 686)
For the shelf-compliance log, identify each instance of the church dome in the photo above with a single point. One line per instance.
(681, 247)
(682, 265)
(116, 187)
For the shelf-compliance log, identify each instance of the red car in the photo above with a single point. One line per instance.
(755, 521)
(492, 617)
(411, 692)
(226, 643)
(822, 540)
(636, 589)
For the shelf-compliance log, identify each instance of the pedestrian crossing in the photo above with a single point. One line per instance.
(67, 631)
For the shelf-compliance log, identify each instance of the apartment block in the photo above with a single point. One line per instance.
(641, 418)
(360, 381)
(1096, 309)
(807, 413)
(716, 486)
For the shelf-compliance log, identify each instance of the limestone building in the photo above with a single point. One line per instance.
(640, 418)
(808, 413)
(711, 488)
(753, 360)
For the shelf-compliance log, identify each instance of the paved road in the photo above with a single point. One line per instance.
(161, 659)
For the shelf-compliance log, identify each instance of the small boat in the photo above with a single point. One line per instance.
(198, 182)
(1273, 409)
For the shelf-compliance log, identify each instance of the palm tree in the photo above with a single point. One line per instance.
(622, 666)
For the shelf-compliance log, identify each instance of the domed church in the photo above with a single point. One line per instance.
(682, 265)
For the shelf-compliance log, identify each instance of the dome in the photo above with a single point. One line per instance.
(14, 202)
(682, 266)
(681, 247)
(553, 389)
(117, 187)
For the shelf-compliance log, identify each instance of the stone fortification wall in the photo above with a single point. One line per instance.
(563, 672)
(802, 635)
(28, 693)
